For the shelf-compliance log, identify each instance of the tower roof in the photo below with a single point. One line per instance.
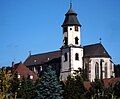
(71, 18)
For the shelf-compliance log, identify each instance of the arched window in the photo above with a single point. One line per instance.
(76, 40)
(76, 56)
(105, 70)
(65, 56)
(66, 41)
(97, 70)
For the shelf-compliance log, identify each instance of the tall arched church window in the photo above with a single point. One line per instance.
(65, 57)
(105, 70)
(76, 28)
(66, 41)
(76, 56)
(65, 29)
(97, 70)
(76, 40)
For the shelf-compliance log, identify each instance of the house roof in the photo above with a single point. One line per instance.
(71, 18)
(38, 59)
(107, 82)
(110, 81)
(95, 50)
(24, 71)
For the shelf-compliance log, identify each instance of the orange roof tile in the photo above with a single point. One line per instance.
(24, 71)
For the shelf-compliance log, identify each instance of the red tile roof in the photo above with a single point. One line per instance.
(110, 81)
(107, 82)
(24, 71)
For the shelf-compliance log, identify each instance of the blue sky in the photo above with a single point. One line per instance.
(35, 25)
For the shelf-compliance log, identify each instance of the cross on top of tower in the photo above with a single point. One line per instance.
(100, 40)
(70, 4)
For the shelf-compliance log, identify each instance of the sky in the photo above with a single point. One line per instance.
(35, 25)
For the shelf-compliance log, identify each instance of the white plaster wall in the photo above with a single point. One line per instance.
(71, 34)
(75, 64)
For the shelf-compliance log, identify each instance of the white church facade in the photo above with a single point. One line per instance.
(94, 58)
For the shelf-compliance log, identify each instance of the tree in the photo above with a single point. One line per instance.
(26, 88)
(109, 91)
(14, 84)
(4, 82)
(97, 89)
(117, 89)
(49, 87)
(74, 88)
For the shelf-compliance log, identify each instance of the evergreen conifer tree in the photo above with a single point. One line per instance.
(74, 88)
(49, 87)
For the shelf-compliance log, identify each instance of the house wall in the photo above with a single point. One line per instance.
(75, 64)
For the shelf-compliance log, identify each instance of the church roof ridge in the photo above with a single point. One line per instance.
(45, 53)
(93, 44)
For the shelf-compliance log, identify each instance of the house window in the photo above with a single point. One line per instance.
(31, 77)
(40, 68)
(35, 60)
(66, 41)
(105, 70)
(97, 70)
(65, 29)
(76, 40)
(18, 75)
(66, 57)
(76, 56)
(76, 28)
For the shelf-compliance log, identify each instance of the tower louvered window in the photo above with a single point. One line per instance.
(66, 57)
(65, 29)
(76, 40)
(76, 56)
(76, 28)
(66, 41)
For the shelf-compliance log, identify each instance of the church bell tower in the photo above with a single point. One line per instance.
(71, 50)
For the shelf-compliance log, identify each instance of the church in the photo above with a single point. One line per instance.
(94, 58)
